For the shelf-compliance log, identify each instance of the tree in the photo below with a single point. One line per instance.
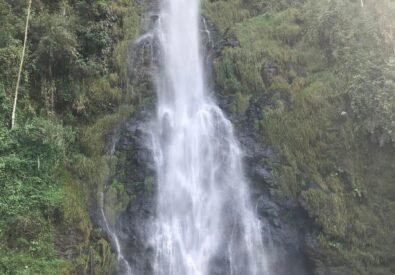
(21, 66)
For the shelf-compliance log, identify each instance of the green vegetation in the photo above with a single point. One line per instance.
(72, 92)
(323, 70)
(325, 73)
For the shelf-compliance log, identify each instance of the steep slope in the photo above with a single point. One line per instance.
(51, 165)
(316, 80)
(308, 84)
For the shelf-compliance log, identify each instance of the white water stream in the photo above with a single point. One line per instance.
(205, 222)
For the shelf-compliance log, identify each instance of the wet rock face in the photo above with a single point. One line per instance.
(142, 57)
(284, 222)
(137, 172)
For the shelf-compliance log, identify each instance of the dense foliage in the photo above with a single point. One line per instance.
(73, 76)
(321, 74)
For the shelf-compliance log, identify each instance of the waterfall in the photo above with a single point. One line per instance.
(205, 223)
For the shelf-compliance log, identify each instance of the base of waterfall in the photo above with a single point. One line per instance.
(287, 243)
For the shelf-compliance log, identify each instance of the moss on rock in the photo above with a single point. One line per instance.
(341, 178)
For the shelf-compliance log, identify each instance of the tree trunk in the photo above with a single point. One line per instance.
(21, 66)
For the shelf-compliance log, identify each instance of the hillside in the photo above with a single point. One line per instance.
(312, 79)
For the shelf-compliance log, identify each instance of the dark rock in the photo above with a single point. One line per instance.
(266, 207)
(284, 223)
(262, 173)
(133, 225)
(288, 204)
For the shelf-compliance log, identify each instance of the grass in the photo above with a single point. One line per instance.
(344, 181)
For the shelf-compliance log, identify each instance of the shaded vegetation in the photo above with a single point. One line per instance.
(71, 94)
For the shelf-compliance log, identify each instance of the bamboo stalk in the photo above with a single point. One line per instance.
(21, 66)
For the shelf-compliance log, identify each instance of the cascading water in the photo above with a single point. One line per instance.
(205, 223)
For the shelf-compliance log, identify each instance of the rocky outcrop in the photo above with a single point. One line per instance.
(284, 222)
(133, 224)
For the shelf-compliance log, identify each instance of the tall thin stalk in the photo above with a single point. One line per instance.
(21, 66)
